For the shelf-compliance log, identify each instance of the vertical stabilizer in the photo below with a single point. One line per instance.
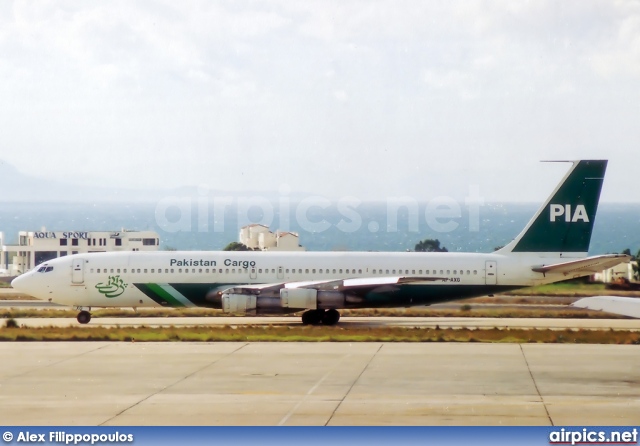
(564, 223)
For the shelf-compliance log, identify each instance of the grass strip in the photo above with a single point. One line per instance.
(466, 311)
(316, 334)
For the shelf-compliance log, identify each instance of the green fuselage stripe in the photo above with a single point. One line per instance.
(207, 294)
(164, 295)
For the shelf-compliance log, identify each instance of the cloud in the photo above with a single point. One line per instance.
(619, 53)
(213, 92)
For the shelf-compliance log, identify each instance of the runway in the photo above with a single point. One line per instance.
(347, 322)
(100, 383)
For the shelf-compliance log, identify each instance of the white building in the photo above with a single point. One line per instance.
(259, 237)
(622, 270)
(35, 247)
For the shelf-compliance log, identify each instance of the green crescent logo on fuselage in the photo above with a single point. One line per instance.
(113, 288)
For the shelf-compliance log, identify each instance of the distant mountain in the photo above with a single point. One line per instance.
(16, 186)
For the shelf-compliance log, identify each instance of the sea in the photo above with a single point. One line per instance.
(322, 225)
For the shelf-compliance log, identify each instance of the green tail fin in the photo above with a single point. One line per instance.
(565, 222)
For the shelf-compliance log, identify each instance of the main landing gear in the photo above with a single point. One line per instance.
(317, 317)
(84, 317)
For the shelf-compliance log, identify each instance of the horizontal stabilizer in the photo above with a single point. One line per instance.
(586, 266)
(626, 306)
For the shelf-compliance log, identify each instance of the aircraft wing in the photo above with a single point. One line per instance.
(589, 265)
(353, 285)
(626, 306)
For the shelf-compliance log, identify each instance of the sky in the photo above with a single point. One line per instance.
(372, 99)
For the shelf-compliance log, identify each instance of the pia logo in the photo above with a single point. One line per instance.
(558, 210)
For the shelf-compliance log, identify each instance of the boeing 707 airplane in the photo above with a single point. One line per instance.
(551, 248)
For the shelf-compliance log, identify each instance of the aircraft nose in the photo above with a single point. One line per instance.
(25, 283)
(18, 282)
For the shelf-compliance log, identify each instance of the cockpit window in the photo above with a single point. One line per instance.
(42, 269)
(49, 268)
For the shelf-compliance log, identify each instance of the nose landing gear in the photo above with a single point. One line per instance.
(84, 317)
(317, 317)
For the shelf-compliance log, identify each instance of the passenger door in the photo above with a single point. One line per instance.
(490, 272)
(77, 271)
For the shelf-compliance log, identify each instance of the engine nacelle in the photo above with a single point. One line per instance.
(331, 299)
(241, 300)
(238, 303)
(298, 298)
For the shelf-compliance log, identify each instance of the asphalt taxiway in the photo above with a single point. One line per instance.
(101, 383)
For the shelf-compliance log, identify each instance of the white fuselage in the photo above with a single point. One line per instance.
(85, 280)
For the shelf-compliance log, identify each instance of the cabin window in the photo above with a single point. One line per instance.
(145, 270)
(179, 270)
(260, 271)
(420, 271)
(334, 271)
(306, 271)
(393, 271)
(441, 272)
(359, 271)
(118, 270)
(233, 271)
(475, 272)
(226, 271)
(468, 272)
(91, 269)
(313, 270)
(455, 271)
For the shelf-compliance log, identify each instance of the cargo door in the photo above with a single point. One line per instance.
(77, 271)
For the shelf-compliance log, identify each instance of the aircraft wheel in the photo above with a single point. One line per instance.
(312, 317)
(331, 317)
(84, 317)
